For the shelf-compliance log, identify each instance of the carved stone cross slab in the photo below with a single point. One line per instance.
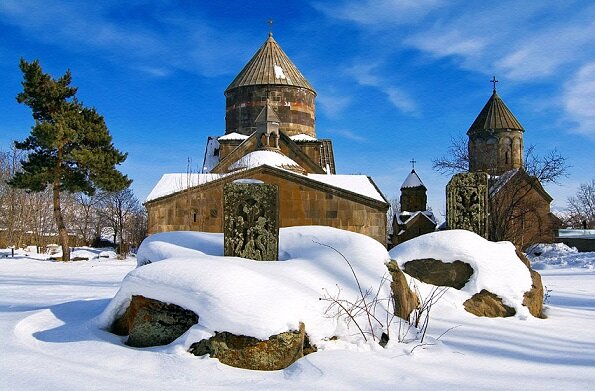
(251, 221)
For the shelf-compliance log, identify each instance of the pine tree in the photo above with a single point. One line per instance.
(69, 148)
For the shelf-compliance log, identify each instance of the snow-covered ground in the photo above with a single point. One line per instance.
(50, 339)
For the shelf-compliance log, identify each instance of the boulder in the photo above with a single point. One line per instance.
(486, 303)
(149, 322)
(404, 299)
(435, 272)
(277, 352)
(533, 299)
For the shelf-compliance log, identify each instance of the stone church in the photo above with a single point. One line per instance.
(413, 219)
(519, 206)
(270, 136)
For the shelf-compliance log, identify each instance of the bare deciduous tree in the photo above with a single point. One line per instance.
(581, 206)
(121, 211)
(509, 212)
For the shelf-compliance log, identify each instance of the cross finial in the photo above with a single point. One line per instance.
(270, 22)
(412, 161)
(494, 81)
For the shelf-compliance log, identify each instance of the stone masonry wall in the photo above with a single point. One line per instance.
(200, 209)
(294, 106)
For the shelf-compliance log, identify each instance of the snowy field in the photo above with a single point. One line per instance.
(50, 340)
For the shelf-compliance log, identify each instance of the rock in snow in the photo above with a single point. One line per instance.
(502, 283)
(262, 304)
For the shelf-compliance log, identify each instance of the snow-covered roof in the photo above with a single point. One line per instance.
(302, 137)
(173, 183)
(259, 158)
(359, 184)
(404, 216)
(497, 182)
(412, 180)
(233, 136)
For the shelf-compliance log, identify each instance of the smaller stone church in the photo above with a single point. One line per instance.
(518, 207)
(414, 217)
(270, 136)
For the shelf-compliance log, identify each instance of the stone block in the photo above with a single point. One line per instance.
(467, 202)
(251, 221)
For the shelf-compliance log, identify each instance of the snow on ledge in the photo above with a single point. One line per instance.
(233, 136)
(302, 137)
(259, 158)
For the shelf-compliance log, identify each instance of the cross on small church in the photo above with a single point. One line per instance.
(412, 161)
(494, 81)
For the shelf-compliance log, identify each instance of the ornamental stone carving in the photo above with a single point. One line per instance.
(467, 202)
(251, 221)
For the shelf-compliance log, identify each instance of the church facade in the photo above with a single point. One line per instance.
(270, 136)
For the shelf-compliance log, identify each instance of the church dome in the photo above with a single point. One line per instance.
(270, 76)
(495, 116)
(270, 65)
(412, 181)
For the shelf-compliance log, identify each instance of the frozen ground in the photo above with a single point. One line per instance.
(50, 341)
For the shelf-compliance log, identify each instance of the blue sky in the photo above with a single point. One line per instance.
(396, 80)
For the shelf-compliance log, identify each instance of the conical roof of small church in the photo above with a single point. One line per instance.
(412, 180)
(495, 115)
(270, 65)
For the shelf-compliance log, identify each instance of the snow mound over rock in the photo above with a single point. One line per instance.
(253, 298)
(496, 267)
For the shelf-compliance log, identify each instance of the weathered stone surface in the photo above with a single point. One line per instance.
(241, 351)
(486, 303)
(435, 272)
(467, 202)
(404, 299)
(533, 299)
(251, 221)
(149, 322)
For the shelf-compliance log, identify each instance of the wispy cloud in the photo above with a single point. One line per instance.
(180, 41)
(539, 42)
(375, 13)
(331, 102)
(348, 134)
(368, 74)
(579, 100)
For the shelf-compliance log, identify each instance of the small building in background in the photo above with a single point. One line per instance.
(413, 219)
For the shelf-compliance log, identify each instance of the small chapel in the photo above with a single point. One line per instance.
(519, 206)
(270, 136)
(413, 218)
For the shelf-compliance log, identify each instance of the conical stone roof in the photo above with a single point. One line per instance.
(412, 180)
(270, 65)
(495, 116)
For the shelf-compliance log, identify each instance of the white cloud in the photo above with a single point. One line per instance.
(331, 103)
(546, 42)
(579, 100)
(368, 74)
(186, 42)
(349, 134)
(375, 13)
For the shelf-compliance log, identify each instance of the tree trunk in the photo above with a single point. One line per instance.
(62, 232)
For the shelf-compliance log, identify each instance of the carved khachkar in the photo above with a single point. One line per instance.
(251, 221)
(467, 202)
